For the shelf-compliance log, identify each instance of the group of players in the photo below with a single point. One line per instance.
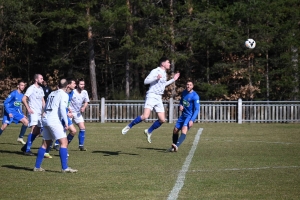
(54, 117)
(189, 105)
(69, 101)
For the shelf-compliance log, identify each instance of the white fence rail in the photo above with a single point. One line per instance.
(210, 111)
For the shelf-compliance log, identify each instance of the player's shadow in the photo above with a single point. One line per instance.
(13, 152)
(114, 153)
(155, 149)
(11, 144)
(24, 168)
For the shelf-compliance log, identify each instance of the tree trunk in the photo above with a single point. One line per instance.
(267, 76)
(207, 64)
(295, 68)
(127, 65)
(92, 64)
(172, 46)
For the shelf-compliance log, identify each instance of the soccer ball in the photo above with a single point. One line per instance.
(250, 44)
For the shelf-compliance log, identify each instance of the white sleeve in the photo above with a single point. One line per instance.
(170, 81)
(29, 91)
(86, 98)
(151, 77)
(63, 106)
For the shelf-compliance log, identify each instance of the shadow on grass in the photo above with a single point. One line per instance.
(14, 152)
(24, 168)
(15, 144)
(155, 149)
(114, 153)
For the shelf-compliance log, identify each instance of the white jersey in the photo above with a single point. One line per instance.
(55, 108)
(77, 99)
(35, 98)
(157, 86)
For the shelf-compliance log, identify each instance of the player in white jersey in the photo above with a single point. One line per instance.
(55, 110)
(79, 100)
(34, 103)
(158, 81)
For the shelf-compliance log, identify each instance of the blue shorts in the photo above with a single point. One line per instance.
(16, 118)
(182, 121)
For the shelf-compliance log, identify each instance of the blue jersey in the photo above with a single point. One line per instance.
(191, 103)
(13, 103)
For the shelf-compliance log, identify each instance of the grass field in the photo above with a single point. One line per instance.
(230, 161)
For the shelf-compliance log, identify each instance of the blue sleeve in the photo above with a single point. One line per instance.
(7, 102)
(196, 102)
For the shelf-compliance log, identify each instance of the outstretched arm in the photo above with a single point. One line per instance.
(176, 76)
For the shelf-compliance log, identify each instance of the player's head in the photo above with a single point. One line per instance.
(21, 85)
(38, 79)
(71, 83)
(45, 83)
(189, 86)
(164, 62)
(63, 83)
(80, 84)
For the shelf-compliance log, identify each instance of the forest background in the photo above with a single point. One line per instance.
(114, 44)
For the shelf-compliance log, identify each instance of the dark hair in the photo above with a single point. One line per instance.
(190, 81)
(79, 80)
(162, 59)
(20, 81)
(69, 80)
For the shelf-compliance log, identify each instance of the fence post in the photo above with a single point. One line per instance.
(171, 109)
(240, 111)
(102, 110)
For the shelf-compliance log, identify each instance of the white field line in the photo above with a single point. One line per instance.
(246, 169)
(181, 176)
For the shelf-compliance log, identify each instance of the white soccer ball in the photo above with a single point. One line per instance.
(250, 44)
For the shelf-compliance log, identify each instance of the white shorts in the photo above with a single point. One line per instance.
(154, 101)
(54, 132)
(35, 120)
(77, 117)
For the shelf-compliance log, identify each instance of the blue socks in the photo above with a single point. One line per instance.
(81, 137)
(70, 138)
(135, 121)
(1, 131)
(31, 137)
(154, 126)
(40, 157)
(181, 139)
(56, 143)
(63, 153)
(22, 131)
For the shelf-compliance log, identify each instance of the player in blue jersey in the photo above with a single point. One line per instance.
(190, 107)
(13, 111)
(158, 81)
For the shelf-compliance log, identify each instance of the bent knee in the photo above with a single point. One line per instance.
(162, 121)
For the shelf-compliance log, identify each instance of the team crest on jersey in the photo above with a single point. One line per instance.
(17, 103)
(186, 103)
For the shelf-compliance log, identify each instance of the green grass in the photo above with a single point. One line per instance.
(232, 161)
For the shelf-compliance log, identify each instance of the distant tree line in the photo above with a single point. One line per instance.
(113, 45)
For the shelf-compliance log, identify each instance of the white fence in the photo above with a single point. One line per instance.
(210, 111)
